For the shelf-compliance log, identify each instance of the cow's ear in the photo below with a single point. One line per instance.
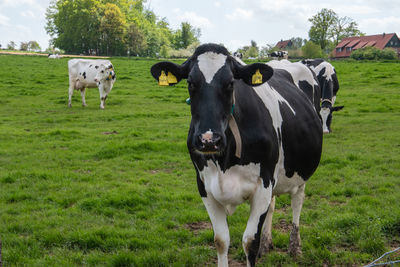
(168, 73)
(253, 74)
(337, 108)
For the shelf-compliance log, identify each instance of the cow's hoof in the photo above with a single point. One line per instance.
(84, 105)
(69, 105)
(295, 242)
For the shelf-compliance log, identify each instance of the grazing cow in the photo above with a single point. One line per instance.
(280, 54)
(329, 85)
(253, 134)
(55, 56)
(90, 73)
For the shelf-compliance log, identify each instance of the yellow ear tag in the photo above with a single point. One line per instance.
(163, 80)
(171, 78)
(257, 77)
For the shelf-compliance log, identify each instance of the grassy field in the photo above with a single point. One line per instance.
(115, 187)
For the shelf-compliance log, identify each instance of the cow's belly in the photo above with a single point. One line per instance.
(232, 187)
(287, 185)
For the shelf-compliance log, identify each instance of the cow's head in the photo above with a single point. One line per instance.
(326, 114)
(105, 72)
(329, 86)
(211, 74)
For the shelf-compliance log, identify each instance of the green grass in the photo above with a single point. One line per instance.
(115, 187)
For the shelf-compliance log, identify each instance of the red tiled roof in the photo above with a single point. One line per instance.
(282, 44)
(353, 43)
(343, 43)
(360, 45)
(379, 41)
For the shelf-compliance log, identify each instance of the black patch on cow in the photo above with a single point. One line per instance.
(96, 67)
(90, 65)
(84, 75)
(255, 244)
(200, 186)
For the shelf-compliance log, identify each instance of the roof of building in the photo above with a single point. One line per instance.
(283, 44)
(379, 41)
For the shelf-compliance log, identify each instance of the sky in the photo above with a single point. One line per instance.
(233, 23)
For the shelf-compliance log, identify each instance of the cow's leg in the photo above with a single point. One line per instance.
(102, 97)
(259, 204)
(217, 215)
(297, 203)
(70, 92)
(83, 90)
(266, 237)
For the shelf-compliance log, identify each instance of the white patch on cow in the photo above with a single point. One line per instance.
(288, 185)
(324, 115)
(333, 100)
(232, 187)
(329, 70)
(210, 63)
(272, 100)
(297, 70)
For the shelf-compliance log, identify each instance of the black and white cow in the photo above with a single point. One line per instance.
(329, 85)
(280, 54)
(253, 134)
(90, 73)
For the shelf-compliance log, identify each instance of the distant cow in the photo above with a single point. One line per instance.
(253, 134)
(90, 73)
(329, 85)
(238, 54)
(280, 54)
(56, 56)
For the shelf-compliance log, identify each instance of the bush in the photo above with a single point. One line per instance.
(373, 53)
(311, 50)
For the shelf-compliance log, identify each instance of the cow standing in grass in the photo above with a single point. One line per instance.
(253, 134)
(84, 73)
(329, 85)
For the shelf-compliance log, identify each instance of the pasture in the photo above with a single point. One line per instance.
(116, 187)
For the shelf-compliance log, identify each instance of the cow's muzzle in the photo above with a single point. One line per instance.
(209, 143)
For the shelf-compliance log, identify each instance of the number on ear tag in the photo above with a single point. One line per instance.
(163, 80)
(257, 77)
(171, 78)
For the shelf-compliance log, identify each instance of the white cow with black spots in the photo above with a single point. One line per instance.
(90, 73)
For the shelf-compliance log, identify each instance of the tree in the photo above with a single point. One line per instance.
(112, 28)
(11, 45)
(321, 24)
(135, 40)
(24, 46)
(33, 46)
(311, 50)
(297, 42)
(344, 27)
(186, 35)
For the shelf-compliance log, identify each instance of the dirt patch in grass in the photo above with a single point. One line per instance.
(283, 226)
(113, 132)
(198, 226)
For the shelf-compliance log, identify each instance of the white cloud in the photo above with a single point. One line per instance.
(240, 14)
(378, 25)
(4, 20)
(217, 4)
(195, 20)
(28, 14)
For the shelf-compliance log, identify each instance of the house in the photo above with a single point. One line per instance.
(284, 44)
(380, 41)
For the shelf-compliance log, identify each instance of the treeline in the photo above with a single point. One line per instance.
(114, 28)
